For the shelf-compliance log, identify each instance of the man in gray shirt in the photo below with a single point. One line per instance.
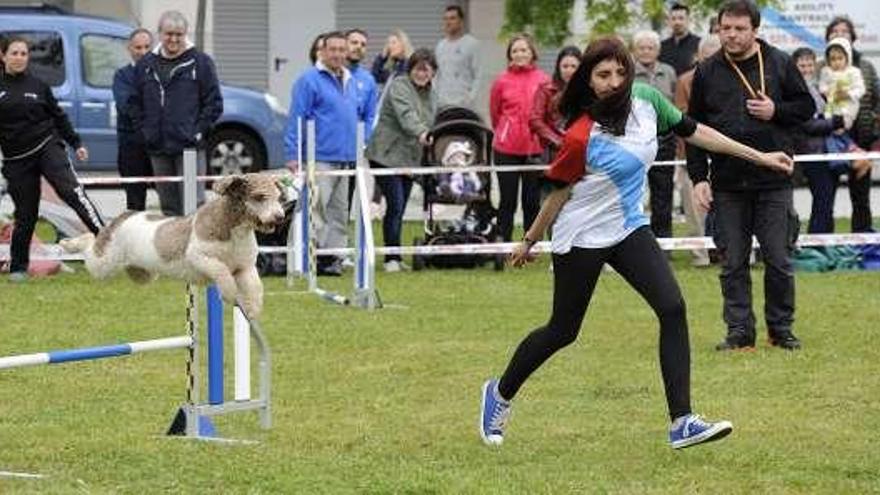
(458, 73)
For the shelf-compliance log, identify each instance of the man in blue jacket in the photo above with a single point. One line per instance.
(327, 94)
(131, 155)
(175, 104)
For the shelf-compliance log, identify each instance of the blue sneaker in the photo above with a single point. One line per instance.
(692, 430)
(494, 414)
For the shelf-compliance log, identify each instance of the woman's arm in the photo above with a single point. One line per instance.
(707, 138)
(537, 123)
(551, 207)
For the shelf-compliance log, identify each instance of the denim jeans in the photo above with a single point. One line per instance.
(768, 215)
(396, 190)
(823, 186)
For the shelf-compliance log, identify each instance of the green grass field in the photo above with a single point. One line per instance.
(386, 401)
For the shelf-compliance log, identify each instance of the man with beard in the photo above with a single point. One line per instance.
(753, 93)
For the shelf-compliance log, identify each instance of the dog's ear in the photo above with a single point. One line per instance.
(235, 185)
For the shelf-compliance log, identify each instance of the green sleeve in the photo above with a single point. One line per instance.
(668, 115)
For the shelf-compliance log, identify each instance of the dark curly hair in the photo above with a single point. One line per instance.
(612, 111)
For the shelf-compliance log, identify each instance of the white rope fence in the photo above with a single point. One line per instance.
(54, 251)
(110, 181)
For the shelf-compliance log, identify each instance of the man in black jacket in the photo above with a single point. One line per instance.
(753, 93)
(174, 105)
(680, 49)
(131, 156)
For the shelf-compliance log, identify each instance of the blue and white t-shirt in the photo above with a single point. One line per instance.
(608, 172)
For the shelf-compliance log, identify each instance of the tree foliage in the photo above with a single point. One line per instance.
(549, 20)
(546, 20)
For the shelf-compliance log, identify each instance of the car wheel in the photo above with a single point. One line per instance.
(234, 151)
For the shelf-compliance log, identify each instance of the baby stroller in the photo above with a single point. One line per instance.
(459, 139)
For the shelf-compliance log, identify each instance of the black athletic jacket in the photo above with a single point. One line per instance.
(718, 99)
(29, 114)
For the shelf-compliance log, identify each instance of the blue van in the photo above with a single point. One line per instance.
(78, 56)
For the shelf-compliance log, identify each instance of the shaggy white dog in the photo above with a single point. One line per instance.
(216, 244)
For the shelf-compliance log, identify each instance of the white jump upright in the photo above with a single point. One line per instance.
(241, 329)
(365, 293)
(310, 232)
(297, 235)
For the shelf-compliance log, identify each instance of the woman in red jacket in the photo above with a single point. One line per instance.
(510, 105)
(546, 121)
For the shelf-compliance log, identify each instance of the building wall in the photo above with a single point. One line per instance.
(293, 24)
(121, 10)
(485, 20)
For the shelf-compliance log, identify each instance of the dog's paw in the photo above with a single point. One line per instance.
(77, 244)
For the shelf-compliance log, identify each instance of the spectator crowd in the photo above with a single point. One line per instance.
(168, 98)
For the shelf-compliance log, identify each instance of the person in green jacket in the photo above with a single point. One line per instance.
(405, 116)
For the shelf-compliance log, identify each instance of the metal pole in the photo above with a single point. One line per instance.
(190, 172)
(242, 354)
(192, 364)
(365, 292)
(190, 168)
(215, 345)
(295, 248)
(309, 228)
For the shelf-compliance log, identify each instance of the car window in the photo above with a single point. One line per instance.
(46, 55)
(101, 56)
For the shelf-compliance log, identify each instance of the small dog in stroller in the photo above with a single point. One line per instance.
(459, 139)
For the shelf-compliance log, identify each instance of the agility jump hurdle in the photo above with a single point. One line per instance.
(302, 251)
(193, 418)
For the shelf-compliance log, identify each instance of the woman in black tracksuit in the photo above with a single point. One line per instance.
(33, 130)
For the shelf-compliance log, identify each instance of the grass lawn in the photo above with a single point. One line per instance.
(386, 401)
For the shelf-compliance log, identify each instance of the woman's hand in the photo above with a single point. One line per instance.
(82, 154)
(778, 161)
(521, 254)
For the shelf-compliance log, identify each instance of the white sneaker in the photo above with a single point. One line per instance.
(393, 266)
(347, 262)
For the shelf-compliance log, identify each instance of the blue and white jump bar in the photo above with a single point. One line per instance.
(90, 353)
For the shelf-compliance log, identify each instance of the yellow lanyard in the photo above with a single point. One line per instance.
(745, 81)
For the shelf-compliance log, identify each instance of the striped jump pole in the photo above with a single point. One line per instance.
(91, 353)
(310, 233)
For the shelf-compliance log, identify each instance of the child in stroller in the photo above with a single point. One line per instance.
(459, 139)
(461, 186)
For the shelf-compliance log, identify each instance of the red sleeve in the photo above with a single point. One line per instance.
(538, 117)
(570, 163)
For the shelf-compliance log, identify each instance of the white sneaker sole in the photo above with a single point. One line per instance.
(718, 431)
(492, 440)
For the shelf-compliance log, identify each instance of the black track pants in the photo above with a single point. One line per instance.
(23, 176)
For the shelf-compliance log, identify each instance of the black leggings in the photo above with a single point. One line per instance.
(641, 262)
(24, 175)
(508, 186)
